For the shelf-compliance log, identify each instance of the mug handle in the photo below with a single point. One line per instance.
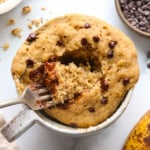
(19, 124)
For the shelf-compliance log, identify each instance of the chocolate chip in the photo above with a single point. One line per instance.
(126, 81)
(139, 3)
(84, 42)
(104, 84)
(35, 76)
(52, 59)
(137, 13)
(96, 39)
(110, 53)
(133, 21)
(104, 100)
(32, 37)
(29, 63)
(60, 42)
(146, 12)
(91, 109)
(62, 106)
(87, 25)
(40, 69)
(77, 95)
(122, 1)
(112, 44)
(51, 78)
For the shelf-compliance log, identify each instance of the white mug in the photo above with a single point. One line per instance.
(27, 117)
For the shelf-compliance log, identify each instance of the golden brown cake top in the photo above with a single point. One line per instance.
(85, 63)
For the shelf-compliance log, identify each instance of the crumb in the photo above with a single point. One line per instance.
(43, 8)
(16, 32)
(35, 22)
(5, 46)
(26, 9)
(30, 25)
(11, 22)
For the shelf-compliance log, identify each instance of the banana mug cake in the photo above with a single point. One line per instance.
(87, 65)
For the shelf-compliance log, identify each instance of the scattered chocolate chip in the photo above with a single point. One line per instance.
(91, 109)
(32, 37)
(110, 53)
(148, 54)
(148, 65)
(76, 95)
(112, 44)
(104, 100)
(29, 63)
(26, 9)
(73, 125)
(87, 25)
(84, 42)
(126, 81)
(96, 39)
(104, 84)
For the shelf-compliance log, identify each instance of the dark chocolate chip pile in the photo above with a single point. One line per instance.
(137, 13)
(148, 56)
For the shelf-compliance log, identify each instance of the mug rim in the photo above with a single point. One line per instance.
(27, 117)
(65, 129)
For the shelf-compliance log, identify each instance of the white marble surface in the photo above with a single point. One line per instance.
(37, 137)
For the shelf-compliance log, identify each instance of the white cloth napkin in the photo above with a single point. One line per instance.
(4, 145)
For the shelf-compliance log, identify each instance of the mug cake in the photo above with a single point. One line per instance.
(87, 65)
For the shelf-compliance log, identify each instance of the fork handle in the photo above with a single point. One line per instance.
(10, 102)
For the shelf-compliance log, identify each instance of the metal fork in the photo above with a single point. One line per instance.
(34, 96)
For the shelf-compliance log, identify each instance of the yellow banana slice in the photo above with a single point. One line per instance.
(139, 137)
